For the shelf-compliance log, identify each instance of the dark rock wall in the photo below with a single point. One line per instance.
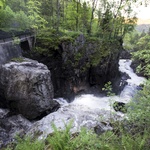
(74, 70)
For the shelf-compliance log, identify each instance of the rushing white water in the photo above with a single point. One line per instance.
(92, 102)
(88, 110)
(105, 103)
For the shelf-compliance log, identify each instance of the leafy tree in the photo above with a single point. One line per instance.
(34, 14)
(143, 58)
(6, 16)
(143, 33)
(21, 20)
(138, 112)
(17, 5)
(143, 43)
(85, 17)
(131, 40)
(72, 16)
(2, 4)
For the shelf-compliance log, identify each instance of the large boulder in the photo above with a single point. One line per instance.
(26, 88)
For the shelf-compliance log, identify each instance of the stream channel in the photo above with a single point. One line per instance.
(88, 110)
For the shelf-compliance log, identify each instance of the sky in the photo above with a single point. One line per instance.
(143, 12)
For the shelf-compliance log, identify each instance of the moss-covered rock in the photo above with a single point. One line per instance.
(78, 62)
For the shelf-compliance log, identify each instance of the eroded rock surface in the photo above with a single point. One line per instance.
(26, 88)
(79, 115)
(81, 66)
(89, 111)
(11, 125)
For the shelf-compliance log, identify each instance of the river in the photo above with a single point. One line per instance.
(88, 110)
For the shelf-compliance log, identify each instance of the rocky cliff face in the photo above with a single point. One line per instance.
(82, 66)
(26, 88)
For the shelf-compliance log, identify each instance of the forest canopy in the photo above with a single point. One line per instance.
(94, 17)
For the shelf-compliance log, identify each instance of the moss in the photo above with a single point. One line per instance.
(92, 39)
(18, 59)
(49, 41)
(66, 39)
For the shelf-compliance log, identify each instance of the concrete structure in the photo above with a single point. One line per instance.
(13, 47)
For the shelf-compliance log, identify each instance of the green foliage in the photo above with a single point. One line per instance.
(120, 107)
(21, 21)
(140, 43)
(72, 34)
(18, 59)
(143, 57)
(6, 16)
(16, 40)
(2, 4)
(10, 19)
(17, 5)
(130, 40)
(143, 42)
(129, 134)
(108, 89)
(86, 139)
(138, 113)
(60, 139)
(34, 14)
(28, 144)
(137, 41)
(47, 41)
(74, 16)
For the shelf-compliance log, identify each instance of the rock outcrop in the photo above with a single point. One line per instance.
(26, 88)
(79, 115)
(80, 66)
(11, 125)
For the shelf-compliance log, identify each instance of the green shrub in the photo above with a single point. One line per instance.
(143, 57)
(108, 89)
(129, 134)
(27, 144)
(139, 110)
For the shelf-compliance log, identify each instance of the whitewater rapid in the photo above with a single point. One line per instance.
(88, 110)
(105, 103)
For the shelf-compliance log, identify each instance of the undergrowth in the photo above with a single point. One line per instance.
(132, 133)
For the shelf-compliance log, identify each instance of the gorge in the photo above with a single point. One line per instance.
(31, 81)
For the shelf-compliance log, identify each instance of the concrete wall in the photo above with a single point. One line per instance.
(9, 51)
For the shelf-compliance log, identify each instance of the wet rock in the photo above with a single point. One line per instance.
(73, 69)
(12, 126)
(125, 54)
(3, 113)
(26, 88)
(140, 87)
(120, 106)
(79, 115)
(101, 128)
